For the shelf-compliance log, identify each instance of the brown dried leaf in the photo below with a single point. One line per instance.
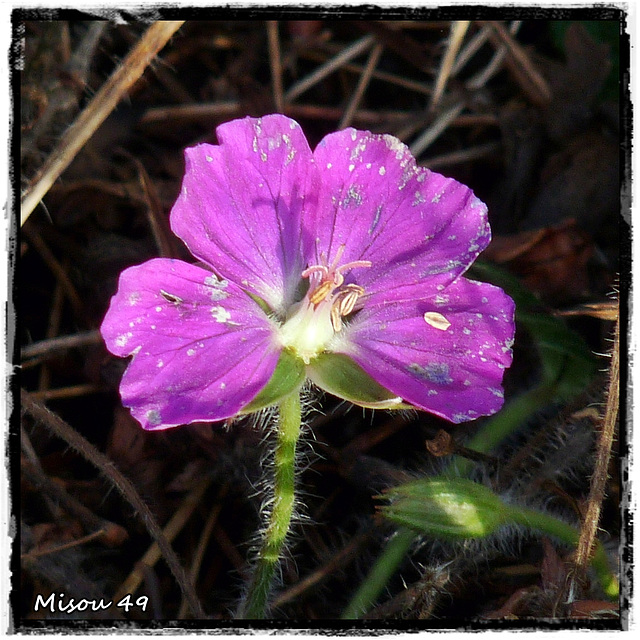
(552, 263)
(553, 570)
(304, 29)
(594, 609)
(441, 445)
(514, 606)
(581, 182)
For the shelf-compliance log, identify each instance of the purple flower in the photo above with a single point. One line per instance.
(342, 265)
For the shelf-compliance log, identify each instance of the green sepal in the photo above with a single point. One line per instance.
(341, 376)
(260, 302)
(446, 508)
(288, 375)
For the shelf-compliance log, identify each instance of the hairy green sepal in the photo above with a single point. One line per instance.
(458, 509)
(341, 376)
(289, 374)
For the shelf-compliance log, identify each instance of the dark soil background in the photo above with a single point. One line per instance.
(535, 132)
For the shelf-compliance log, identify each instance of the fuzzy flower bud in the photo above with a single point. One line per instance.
(446, 508)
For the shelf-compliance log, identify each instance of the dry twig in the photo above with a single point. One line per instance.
(339, 561)
(525, 72)
(61, 393)
(458, 31)
(96, 112)
(276, 64)
(58, 271)
(600, 472)
(67, 433)
(61, 343)
(198, 555)
(348, 53)
(434, 131)
(363, 83)
(171, 530)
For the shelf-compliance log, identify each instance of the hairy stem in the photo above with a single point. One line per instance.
(255, 603)
(571, 536)
(385, 566)
(600, 472)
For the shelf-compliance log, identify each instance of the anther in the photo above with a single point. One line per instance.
(321, 292)
(436, 320)
(344, 304)
(336, 320)
(330, 278)
(347, 298)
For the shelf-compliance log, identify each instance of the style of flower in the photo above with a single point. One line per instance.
(343, 265)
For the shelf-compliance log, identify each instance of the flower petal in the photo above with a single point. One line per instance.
(202, 348)
(445, 354)
(241, 204)
(409, 222)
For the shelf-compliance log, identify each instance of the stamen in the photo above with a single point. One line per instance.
(331, 278)
(346, 299)
(436, 320)
(344, 304)
(336, 260)
(321, 292)
(314, 269)
(336, 320)
(353, 265)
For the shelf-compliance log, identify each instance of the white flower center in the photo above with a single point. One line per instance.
(314, 321)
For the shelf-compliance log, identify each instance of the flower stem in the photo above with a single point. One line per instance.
(385, 566)
(569, 535)
(254, 605)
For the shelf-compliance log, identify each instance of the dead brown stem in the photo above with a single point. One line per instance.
(61, 343)
(66, 392)
(126, 488)
(458, 31)
(158, 221)
(339, 561)
(348, 53)
(378, 74)
(57, 269)
(111, 533)
(96, 112)
(32, 555)
(212, 110)
(275, 60)
(600, 473)
(363, 83)
(464, 155)
(171, 530)
(55, 317)
(203, 542)
(525, 72)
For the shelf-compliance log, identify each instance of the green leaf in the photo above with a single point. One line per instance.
(341, 376)
(567, 363)
(289, 374)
